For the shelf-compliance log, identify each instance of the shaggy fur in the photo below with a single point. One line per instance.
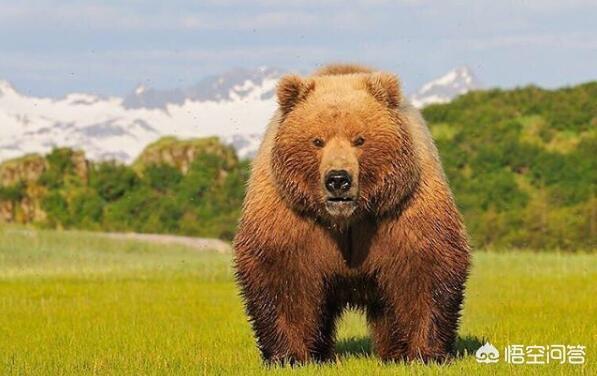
(401, 252)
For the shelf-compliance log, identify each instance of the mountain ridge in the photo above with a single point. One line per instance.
(235, 106)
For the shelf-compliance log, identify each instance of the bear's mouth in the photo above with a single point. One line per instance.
(340, 199)
(341, 207)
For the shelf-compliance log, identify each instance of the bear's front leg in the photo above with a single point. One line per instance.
(418, 316)
(284, 304)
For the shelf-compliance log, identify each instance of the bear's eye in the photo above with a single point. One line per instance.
(358, 141)
(318, 142)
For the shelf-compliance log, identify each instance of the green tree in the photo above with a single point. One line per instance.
(60, 165)
(86, 208)
(162, 178)
(112, 180)
(56, 208)
(14, 192)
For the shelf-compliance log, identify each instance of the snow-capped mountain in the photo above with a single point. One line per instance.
(230, 86)
(238, 103)
(236, 106)
(445, 88)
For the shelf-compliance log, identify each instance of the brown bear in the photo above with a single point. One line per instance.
(348, 206)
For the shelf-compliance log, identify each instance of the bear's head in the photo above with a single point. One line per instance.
(342, 147)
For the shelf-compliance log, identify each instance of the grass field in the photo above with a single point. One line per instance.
(77, 303)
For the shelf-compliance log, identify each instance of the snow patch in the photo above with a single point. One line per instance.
(445, 88)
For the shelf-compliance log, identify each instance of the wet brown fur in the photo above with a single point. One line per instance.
(402, 256)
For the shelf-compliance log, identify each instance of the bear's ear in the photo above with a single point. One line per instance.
(291, 90)
(385, 87)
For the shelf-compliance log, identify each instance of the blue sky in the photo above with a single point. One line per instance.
(54, 47)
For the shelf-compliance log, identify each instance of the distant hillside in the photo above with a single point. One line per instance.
(190, 187)
(25, 181)
(522, 164)
(182, 153)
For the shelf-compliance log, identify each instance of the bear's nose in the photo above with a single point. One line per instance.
(338, 182)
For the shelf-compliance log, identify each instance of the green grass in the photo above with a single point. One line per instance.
(77, 303)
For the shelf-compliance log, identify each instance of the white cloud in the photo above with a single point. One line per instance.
(70, 16)
(132, 39)
(556, 4)
(90, 16)
(564, 40)
(263, 14)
